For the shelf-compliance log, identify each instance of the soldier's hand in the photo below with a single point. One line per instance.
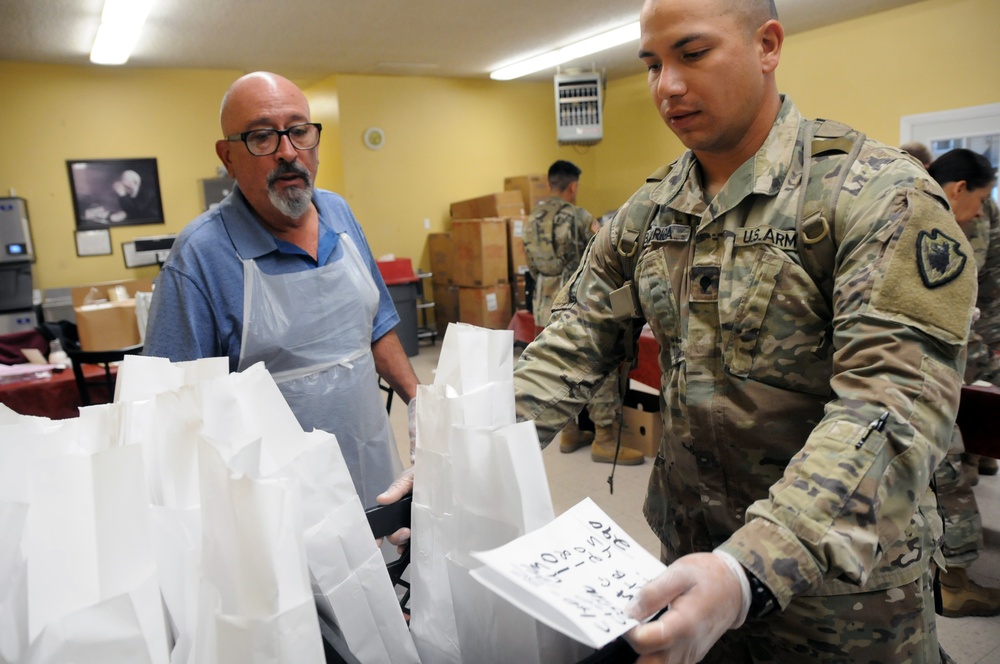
(705, 599)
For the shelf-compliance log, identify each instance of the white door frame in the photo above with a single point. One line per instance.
(955, 123)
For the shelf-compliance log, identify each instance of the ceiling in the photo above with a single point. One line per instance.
(310, 39)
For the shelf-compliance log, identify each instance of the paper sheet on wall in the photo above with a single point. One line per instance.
(576, 574)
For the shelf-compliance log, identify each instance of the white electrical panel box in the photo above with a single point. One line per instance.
(579, 108)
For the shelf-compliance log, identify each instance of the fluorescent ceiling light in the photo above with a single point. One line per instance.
(121, 23)
(580, 49)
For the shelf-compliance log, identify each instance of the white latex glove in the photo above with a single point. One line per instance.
(401, 486)
(411, 416)
(705, 597)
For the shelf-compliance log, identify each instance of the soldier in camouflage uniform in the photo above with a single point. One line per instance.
(801, 424)
(555, 237)
(967, 179)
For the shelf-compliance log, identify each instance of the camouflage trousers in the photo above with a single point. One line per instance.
(897, 625)
(605, 403)
(963, 525)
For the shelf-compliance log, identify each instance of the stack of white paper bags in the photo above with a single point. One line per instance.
(197, 486)
(480, 482)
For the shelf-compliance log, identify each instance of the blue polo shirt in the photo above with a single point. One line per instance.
(197, 307)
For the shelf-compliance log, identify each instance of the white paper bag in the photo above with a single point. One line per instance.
(91, 580)
(349, 576)
(473, 386)
(501, 493)
(480, 483)
(14, 588)
(256, 604)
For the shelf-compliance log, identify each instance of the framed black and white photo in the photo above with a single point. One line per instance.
(115, 192)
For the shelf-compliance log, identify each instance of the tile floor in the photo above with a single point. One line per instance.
(574, 476)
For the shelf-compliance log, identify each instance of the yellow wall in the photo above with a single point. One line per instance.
(449, 139)
(445, 140)
(929, 56)
(54, 113)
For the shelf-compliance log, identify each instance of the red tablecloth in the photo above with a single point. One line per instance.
(56, 397)
(646, 372)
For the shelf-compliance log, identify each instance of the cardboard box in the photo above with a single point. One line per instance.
(533, 188)
(486, 307)
(500, 204)
(517, 292)
(445, 306)
(479, 252)
(517, 260)
(105, 313)
(439, 248)
(642, 426)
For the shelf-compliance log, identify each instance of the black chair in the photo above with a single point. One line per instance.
(104, 358)
(384, 386)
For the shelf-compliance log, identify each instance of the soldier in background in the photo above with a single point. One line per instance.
(803, 410)
(918, 151)
(555, 236)
(968, 178)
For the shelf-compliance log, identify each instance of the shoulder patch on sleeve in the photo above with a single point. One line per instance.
(926, 281)
(939, 258)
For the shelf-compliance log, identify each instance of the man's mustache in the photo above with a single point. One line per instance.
(288, 168)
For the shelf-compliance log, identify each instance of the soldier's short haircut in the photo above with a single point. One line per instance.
(961, 164)
(753, 13)
(919, 151)
(562, 174)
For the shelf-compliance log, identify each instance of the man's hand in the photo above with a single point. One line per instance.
(705, 599)
(401, 486)
(119, 188)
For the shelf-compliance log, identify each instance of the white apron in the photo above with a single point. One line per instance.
(313, 329)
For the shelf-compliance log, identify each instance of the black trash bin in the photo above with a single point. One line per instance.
(403, 285)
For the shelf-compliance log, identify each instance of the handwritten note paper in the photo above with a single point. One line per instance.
(576, 574)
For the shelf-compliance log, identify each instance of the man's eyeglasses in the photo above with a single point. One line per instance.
(262, 142)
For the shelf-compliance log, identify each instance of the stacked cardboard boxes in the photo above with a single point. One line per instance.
(479, 266)
(445, 292)
(481, 271)
(533, 189)
(486, 307)
(518, 262)
(500, 204)
(479, 252)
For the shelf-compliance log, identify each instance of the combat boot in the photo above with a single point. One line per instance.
(987, 466)
(573, 438)
(961, 596)
(970, 468)
(603, 449)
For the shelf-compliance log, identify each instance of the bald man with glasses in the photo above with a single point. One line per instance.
(281, 273)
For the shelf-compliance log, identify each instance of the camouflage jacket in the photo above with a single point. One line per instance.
(571, 231)
(769, 394)
(984, 343)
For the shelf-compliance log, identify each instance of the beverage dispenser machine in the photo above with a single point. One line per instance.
(16, 256)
